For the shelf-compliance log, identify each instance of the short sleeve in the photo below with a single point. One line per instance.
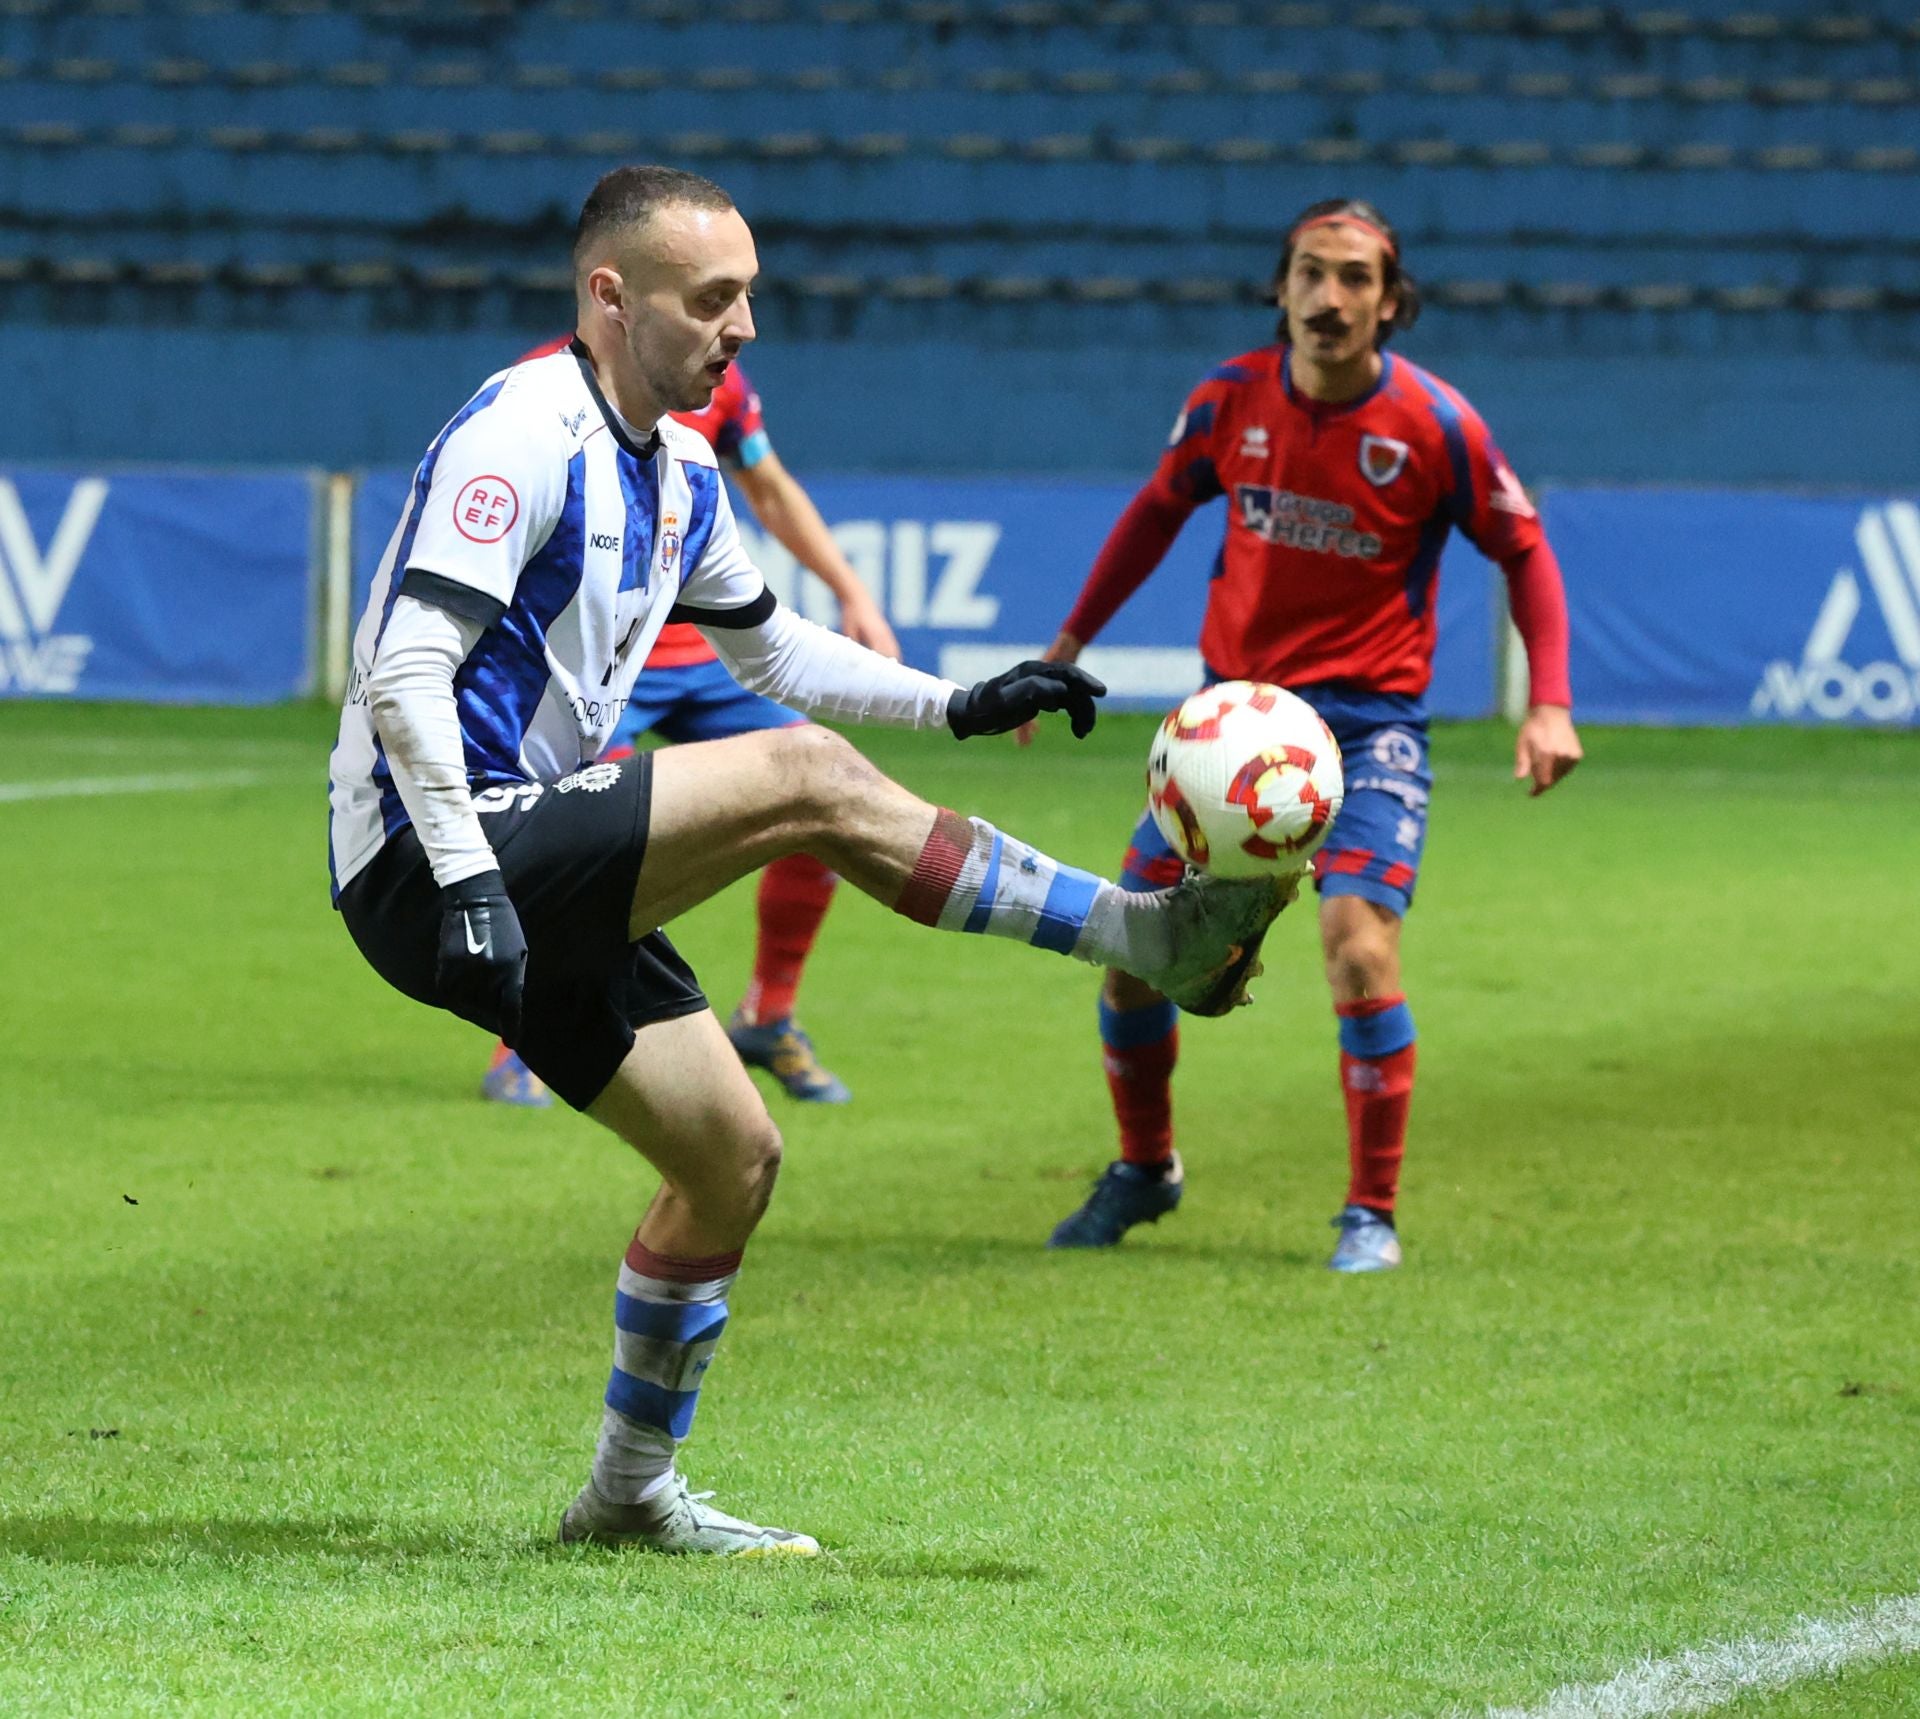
(495, 488)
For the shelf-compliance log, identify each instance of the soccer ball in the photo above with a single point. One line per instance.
(1244, 779)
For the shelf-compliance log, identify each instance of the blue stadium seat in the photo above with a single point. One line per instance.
(1072, 173)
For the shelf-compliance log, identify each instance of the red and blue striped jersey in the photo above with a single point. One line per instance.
(1336, 517)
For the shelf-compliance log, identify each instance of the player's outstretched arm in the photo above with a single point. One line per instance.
(781, 504)
(775, 652)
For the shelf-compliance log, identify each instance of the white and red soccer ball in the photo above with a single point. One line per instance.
(1245, 779)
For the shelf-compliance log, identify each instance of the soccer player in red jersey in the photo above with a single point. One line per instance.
(686, 694)
(1344, 468)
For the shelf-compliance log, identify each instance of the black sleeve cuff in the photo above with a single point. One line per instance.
(461, 601)
(747, 615)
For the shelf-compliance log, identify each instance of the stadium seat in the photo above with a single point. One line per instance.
(1111, 168)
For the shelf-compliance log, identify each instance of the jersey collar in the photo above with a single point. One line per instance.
(1325, 409)
(616, 425)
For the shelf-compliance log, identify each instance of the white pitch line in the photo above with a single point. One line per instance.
(179, 782)
(1704, 1678)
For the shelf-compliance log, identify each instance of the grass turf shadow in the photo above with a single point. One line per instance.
(70, 1537)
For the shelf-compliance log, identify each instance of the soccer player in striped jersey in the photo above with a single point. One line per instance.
(1343, 469)
(487, 860)
(688, 695)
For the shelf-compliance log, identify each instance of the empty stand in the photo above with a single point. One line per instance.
(1085, 173)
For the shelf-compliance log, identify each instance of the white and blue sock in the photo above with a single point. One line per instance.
(667, 1317)
(973, 877)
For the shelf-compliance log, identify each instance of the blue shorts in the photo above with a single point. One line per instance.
(699, 701)
(1375, 846)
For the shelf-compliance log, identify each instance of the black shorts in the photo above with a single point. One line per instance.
(570, 852)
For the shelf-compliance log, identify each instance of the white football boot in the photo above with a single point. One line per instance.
(677, 1520)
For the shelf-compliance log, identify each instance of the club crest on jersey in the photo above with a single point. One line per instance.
(669, 542)
(1382, 459)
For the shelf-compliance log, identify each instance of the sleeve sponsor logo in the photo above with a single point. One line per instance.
(1507, 493)
(485, 509)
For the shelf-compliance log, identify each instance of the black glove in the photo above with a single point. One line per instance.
(1019, 694)
(483, 955)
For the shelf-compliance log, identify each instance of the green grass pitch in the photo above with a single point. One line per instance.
(302, 1346)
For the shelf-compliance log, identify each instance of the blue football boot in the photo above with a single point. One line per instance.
(509, 1081)
(783, 1049)
(1124, 1195)
(1368, 1241)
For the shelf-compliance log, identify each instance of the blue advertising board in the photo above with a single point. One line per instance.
(175, 587)
(1732, 606)
(975, 573)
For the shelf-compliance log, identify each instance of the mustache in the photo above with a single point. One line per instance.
(1328, 322)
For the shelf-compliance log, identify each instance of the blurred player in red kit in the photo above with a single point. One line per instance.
(686, 694)
(1344, 469)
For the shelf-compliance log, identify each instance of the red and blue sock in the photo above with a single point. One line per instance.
(1376, 1078)
(1139, 1048)
(795, 894)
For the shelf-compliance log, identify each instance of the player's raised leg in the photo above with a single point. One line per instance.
(727, 808)
(682, 1100)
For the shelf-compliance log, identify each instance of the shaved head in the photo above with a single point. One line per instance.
(625, 200)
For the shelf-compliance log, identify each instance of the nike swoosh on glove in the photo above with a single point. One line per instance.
(482, 966)
(1019, 694)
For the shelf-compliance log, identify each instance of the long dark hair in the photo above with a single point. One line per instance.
(1393, 273)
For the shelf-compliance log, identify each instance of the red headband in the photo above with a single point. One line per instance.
(1379, 232)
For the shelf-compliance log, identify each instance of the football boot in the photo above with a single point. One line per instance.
(677, 1520)
(1124, 1195)
(783, 1049)
(1368, 1241)
(509, 1081)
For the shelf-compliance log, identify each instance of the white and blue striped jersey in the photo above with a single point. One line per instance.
(538, 515)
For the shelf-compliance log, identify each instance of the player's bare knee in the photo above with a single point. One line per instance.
(1362, 962)
(731, 1189)
(822, 771)
(759, 1165)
